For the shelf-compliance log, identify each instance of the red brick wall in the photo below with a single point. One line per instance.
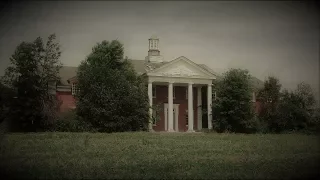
(162, 97)
(257, 107)
(68, 101)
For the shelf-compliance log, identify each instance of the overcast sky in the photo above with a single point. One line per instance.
(267, 38)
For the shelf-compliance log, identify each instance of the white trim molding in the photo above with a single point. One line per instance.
(182, 71)
(176, 116)
(74, 89)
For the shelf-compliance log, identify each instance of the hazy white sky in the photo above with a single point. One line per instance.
(267, 38)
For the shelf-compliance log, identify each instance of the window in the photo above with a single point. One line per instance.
(74, 89)
(253, 97)
(154, 92)
(186, 117)
(154, 117)
(186, 92)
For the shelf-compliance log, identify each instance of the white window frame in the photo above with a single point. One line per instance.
(253, 97)
(74, 89)
(154, 89)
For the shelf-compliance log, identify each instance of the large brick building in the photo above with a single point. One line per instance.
(179, 87)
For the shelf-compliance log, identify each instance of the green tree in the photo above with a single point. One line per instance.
(112, 96)
(297, 108)
(305, 93)
(6, 96)
(286, 110)
(269, 97)
(33, 71)
(233, 107)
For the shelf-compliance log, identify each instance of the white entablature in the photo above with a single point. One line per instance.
(183, 68)
(180, 70)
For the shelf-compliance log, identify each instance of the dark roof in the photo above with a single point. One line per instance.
(141, 65)
(68, 72)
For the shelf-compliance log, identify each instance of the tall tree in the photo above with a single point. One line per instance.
(297, 108)
(112, 96)
(33, 71)
(233, 106)
(305, 93)
(269, 97)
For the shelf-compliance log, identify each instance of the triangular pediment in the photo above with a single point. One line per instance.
(181, 67)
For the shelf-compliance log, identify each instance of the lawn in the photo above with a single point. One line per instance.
(159, 156)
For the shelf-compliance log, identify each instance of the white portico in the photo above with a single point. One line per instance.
(182, 72)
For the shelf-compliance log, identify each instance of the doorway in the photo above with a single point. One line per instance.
(175, 117)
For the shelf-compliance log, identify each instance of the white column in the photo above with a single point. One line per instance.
(209, 106)
(190, 108)
(170, 107)
(150, 104)
(199, 108)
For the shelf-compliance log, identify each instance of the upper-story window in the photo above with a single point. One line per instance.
(253, 97)
(174, 92)
(154, 91)
(186, 92)
(74, 89)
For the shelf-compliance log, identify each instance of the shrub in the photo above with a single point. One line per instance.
(262, 126)
(70, 122)
(314, 124)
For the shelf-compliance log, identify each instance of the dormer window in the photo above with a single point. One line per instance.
(74, 89)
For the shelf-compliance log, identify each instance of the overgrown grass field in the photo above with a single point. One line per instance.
(159, 156)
